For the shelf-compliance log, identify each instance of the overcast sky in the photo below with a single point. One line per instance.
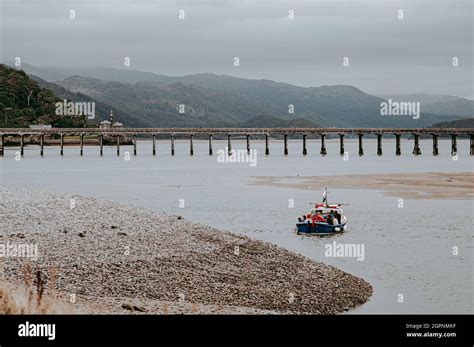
(386, 55)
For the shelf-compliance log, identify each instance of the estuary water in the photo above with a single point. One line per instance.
(407, 250)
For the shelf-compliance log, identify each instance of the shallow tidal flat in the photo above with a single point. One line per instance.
(118, 258)
(456, 185)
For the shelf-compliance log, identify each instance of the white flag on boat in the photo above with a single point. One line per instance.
(325, 193)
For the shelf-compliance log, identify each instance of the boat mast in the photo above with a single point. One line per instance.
(325, 196)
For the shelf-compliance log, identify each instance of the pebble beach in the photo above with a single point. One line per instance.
(116, 258)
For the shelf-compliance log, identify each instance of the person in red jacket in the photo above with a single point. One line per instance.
(319, 218)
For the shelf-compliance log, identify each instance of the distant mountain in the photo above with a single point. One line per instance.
(265, 121)
(88, 85)
(53, 74)
(102, 110)
(23, 102)
(439, 104)
(219, 100)
(211, 100)
(459, 123)
(166, 105)
(459, 107)
(424, 99)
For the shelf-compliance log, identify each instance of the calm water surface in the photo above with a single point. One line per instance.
(407, 250)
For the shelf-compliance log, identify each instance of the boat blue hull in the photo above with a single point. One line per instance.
(318, 228)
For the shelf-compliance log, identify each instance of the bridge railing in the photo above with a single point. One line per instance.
(235, 131)
(119, 133)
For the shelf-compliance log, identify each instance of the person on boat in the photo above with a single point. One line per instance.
(335, 221)
(338, 216)
(329, 219)
(320, 218)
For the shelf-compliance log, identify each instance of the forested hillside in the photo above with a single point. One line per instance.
(24, 102)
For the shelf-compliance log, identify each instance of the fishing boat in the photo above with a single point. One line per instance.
(320, 220)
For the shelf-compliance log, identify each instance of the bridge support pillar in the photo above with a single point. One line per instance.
(41, 144)
(416, 149)
(101, 144)
(134, 144)
(398, 150)
(154, 144)
(285, 143)
(267, 149)
(2, 145)
(454, 144)
(210, 144)
(435, 145)
(61, 143)
(304, 145)
(22, 145)
(361, 148)
(229, 145)
(82, 144)
(191, 148)
(323, 145)
(118, 145)
(379, 144)
(341, 144)
(172, 144)
(248, 144)
(471, 142)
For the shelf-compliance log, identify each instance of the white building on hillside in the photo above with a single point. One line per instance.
(106, 124)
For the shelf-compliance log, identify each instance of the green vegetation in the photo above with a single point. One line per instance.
(265, 121)
(23, 102)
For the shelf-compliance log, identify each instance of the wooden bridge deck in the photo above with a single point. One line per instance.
(119, 133)
(235, 131)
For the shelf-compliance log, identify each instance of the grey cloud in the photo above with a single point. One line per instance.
(387, 55)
